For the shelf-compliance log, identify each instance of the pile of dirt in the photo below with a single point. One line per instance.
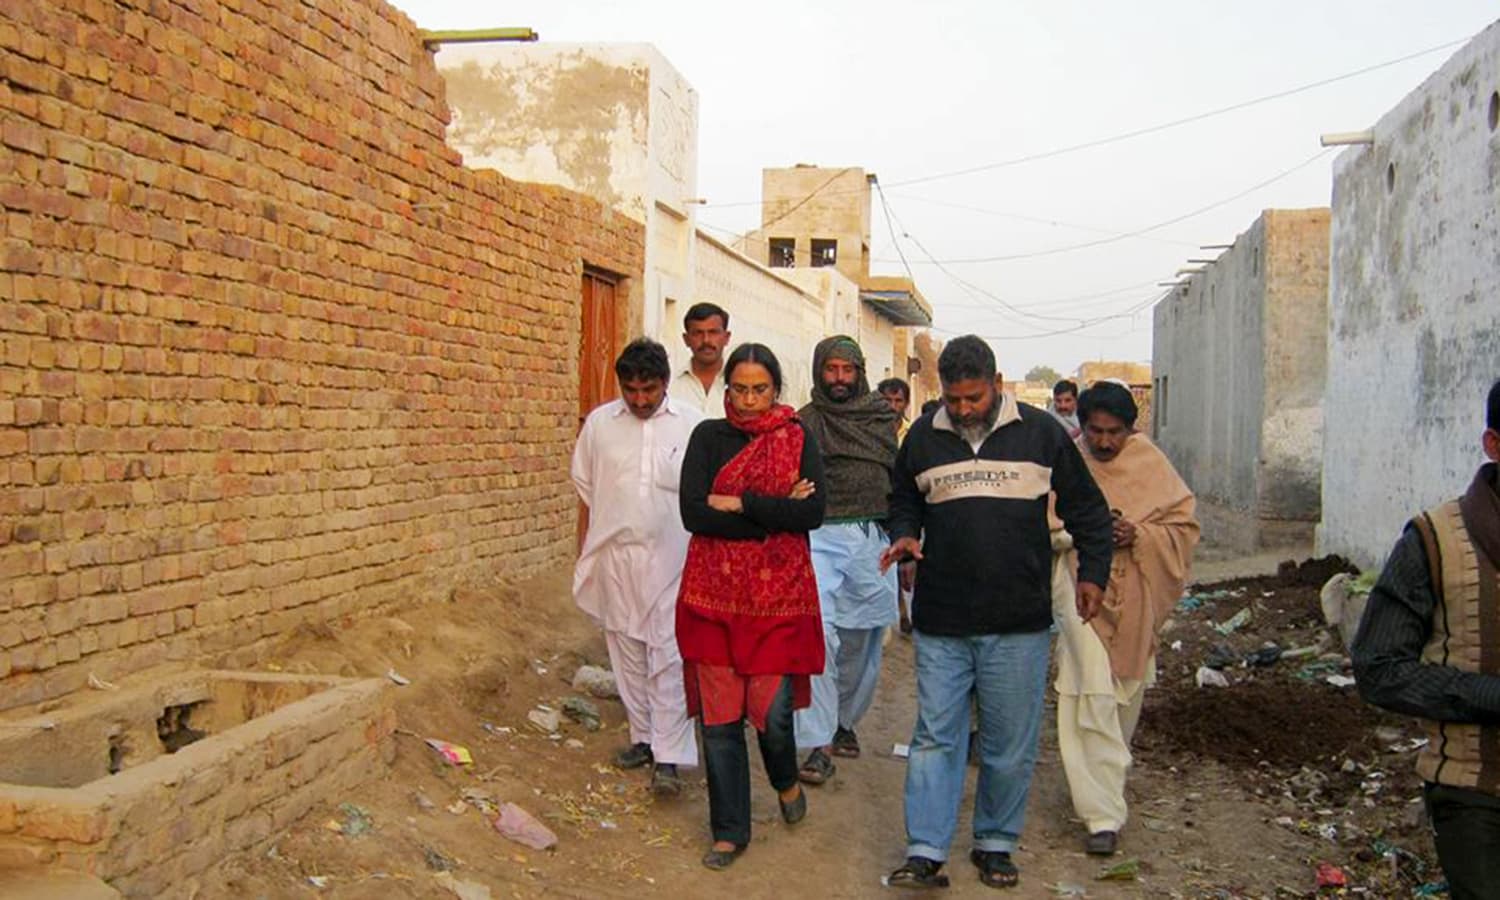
(1290, 727)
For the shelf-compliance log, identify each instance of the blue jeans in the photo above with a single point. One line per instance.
(1008, 673)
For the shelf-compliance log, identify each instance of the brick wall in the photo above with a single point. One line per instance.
(270, 352)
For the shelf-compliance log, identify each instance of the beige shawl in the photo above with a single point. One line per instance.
(1145, 579)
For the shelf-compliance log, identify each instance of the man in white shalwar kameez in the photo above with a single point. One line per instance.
(626, 468)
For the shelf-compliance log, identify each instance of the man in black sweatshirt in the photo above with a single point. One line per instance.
(969, 502)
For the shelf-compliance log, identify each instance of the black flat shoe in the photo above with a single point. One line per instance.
(796, 811)
(665, 782)
(995, 868)
(718, 860)
(1102, 843)
(634, 756)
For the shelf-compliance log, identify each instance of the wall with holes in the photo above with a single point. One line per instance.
(1414, 305)
(270, 352)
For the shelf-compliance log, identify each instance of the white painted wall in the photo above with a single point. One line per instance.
(1414, 319)
(763, 308)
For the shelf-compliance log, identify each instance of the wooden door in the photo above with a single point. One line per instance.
(596, 354)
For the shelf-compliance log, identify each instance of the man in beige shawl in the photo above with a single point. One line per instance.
(1105, 666)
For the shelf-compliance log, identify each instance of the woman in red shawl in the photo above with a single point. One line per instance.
(747, 614)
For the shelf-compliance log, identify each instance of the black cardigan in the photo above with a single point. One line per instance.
(713, 444)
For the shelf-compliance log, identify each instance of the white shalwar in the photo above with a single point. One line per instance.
(626, 470)
(1096, 712)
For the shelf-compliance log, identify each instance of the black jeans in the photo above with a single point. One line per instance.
(727, 765)
(1467, 823)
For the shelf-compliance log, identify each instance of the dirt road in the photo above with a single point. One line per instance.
(1198, 827)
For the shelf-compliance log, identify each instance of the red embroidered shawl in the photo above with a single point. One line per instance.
(753, 604)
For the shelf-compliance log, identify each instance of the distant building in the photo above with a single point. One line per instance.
(1238, 364)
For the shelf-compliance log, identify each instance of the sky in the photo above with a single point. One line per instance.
(917, 92)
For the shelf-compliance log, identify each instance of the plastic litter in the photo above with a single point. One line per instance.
(1221, 656)
(397, 677)
(901, 751)
(452, 754)
(1340, 681)
(1234, 622)
(1065, 889)
(524, 828)
(1330, 875)
(318, 881)
(1126, 870)
(583, 712)
(1207, 677)
(1268, 654)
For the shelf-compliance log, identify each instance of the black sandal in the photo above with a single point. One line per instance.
(995, 868)
(918, 872)
(817, 769)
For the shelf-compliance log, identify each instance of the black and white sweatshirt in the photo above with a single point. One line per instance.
(981, 514)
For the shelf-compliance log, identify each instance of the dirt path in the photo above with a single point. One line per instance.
(492, 655)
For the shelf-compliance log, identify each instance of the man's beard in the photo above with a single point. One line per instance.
(840, 392)
(981, 429)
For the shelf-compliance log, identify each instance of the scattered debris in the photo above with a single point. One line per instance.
(1268, 654)
(1340, 681)
(901, 751)
(318, 881)
(524, 828)
(545, 719)
(437, 861)
(397, 677)
(1234, 622)
(464, 890)
(1207, 677)
(596, 682)
(497, 730)
(452, 754)
(573, 744)
(583, 712)
(1343, 606)
(1330, 875)
(356, 822)
(1125, 870)
(1066, 889)
(1221, 656)
(424, 803)
(99, 684)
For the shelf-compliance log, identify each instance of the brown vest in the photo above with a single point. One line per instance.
(1465, 636)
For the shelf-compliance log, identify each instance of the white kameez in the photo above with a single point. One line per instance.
(626, 471)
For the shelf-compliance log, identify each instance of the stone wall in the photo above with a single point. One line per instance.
(270, 352)
(1414, 333)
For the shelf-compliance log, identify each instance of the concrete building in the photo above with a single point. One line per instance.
(815, 229)
(616, 122)
(1414, 326)
(1238, 373)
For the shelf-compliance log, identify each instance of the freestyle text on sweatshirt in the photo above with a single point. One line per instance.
(982, 518)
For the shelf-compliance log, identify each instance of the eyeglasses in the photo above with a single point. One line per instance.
(742, 390)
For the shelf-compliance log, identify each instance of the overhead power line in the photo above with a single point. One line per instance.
(1151, 129)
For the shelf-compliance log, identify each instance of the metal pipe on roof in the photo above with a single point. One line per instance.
(431, 39)
(1215, 246)
(1343, 138)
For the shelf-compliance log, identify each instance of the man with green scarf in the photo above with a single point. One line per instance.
(856, 430)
